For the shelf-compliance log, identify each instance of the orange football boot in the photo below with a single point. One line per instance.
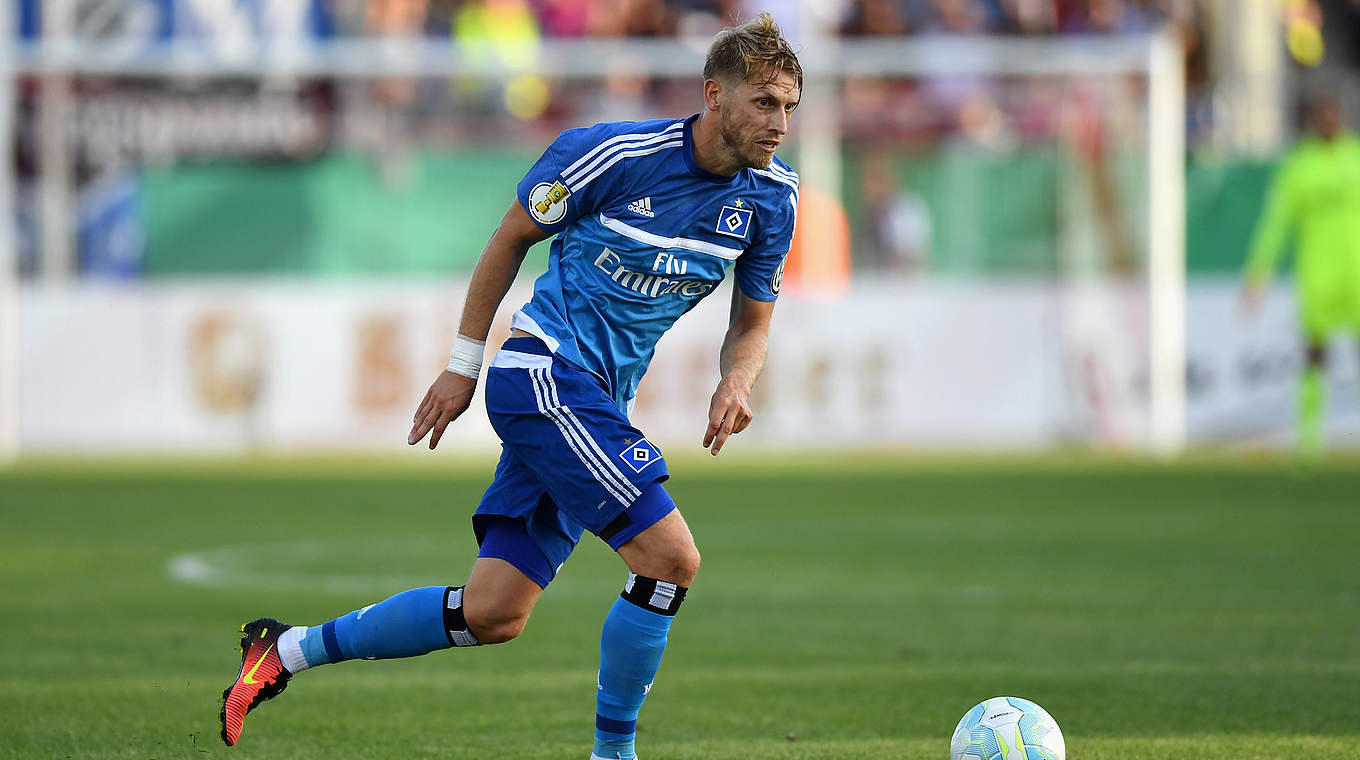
(262, 675)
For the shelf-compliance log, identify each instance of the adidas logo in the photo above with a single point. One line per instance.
(642, 206)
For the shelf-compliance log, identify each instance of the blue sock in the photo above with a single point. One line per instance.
(631, 645)
(411, 623)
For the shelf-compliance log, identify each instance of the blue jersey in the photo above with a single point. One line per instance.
(643, 234)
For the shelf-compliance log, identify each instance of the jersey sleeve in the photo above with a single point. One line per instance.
(545, 194)
(760, 270)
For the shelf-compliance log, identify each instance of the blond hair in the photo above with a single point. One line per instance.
(753, 51)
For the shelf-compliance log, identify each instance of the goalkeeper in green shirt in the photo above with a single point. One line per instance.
(1315, 196)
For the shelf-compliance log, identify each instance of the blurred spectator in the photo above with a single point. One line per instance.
(565, 18)
(877, 17)
(963, 103)
(954, 17)
(1103, 17)
(1027, 16)
(630, 18)
(504, 31)
(703, 18)
(395, 18)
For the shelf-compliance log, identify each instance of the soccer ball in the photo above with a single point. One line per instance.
(1007, 728)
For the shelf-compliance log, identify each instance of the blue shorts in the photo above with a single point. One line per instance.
(570, 462)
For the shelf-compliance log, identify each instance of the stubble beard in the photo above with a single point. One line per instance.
(746, 153)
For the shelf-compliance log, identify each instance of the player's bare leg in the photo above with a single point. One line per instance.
(492, 608)
(497, 600)
(1312, 396)
(663, 561)
(665, 551)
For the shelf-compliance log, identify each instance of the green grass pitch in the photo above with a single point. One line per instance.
(846, 608)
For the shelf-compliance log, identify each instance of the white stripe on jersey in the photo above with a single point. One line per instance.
(793, 201)
(688, 244)
(777, 169)
(576, 170)
(614, 158)
(507, 359)
(790, 181)
(614, 141)
(522, 321)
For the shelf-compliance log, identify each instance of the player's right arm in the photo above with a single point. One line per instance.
(1269, 239)
(451, 393)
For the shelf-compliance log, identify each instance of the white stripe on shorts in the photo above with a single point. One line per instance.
(567, 434)
(597, 468)
(545, 408)
(603, 458)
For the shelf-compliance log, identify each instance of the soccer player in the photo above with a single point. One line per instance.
(648, 216)
(1315, 194)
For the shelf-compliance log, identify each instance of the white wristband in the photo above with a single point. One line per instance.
(466, 356)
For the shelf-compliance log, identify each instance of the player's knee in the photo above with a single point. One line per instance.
(683, 565)
(690, 564)
(665, 551)
(493, 624)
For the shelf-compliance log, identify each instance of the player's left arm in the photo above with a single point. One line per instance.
(742, 358)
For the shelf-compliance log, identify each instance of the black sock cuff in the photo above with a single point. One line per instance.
(455, 624)
(653, 595)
